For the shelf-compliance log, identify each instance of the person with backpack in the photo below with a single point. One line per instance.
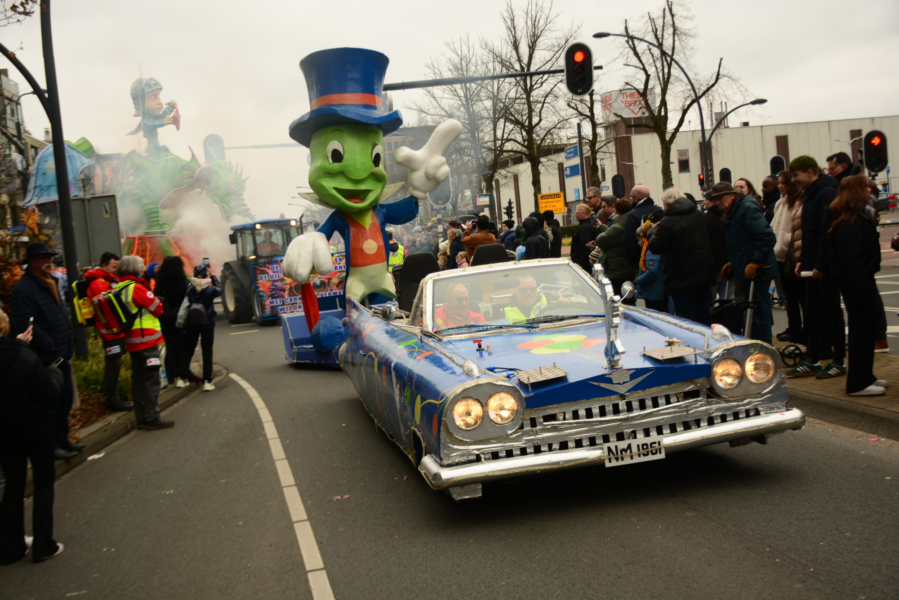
(99, 280)
(200, 326)
(143, 335)
(171, 288)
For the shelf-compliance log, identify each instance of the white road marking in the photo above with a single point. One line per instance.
(312, 559)
(885, 276)
(243, 332)
(885, 293)
(244, 325)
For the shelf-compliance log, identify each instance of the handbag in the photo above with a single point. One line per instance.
(181, 319)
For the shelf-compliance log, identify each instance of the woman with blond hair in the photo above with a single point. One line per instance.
(30, 393)
(854, 249)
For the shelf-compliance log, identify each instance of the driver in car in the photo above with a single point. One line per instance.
(455, 311)
(267, 247)
(527, 302)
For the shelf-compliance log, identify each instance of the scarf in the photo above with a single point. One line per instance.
(643, 256)
(50, 282)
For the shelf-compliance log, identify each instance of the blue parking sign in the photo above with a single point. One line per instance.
(577, 194)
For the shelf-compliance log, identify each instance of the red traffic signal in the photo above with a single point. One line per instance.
(578, 69)
(875, 152)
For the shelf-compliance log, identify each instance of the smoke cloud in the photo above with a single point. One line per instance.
(201, 232)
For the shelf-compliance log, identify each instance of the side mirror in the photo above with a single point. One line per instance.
(232, 237)
(388, 312)
(628, 289)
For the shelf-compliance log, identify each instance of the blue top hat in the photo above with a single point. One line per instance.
(345, 87)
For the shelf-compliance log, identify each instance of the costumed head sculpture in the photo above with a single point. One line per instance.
(153, 114)
(344, 131)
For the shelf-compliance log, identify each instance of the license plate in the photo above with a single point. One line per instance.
(633, 451)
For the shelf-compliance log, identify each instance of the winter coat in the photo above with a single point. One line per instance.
(472, 240)
(30, 390)
(782, 224)
(651, 283)
(634, 221)
(771, 201)
(815, 200)
(146, 332)
(614, 262)
(100, 281)
(750, 240)
(536, 245)
(555, 246)
(455, 248)
(682, 240)
(508, 239)
(795, 247)
(171, 293)
(854, 248)
(205, 291)
(52, 333)
(580, 253)
(714, 219)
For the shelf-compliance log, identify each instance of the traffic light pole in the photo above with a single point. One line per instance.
(580, 152)
(426, 83)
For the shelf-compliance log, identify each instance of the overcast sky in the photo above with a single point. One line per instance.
(233, 67)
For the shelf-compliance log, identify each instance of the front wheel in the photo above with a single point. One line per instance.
(237, 301)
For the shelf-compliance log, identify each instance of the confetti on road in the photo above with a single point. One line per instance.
(95, 457)
(340, 497)
(76, 593)
(873, 439)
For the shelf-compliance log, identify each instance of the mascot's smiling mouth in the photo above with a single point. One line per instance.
(354, 196)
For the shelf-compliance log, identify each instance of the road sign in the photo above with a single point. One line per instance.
(888, 170)
(573, 171)
(577, 193)
(554, 202)
(570, 152)
(604, 188)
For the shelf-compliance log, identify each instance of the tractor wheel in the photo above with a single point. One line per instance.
(237, 300)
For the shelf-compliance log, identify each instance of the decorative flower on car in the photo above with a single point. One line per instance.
(556, 343)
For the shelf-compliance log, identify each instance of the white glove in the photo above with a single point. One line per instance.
(427, 167)
(308, 250)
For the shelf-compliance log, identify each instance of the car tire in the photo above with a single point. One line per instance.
(237, 301)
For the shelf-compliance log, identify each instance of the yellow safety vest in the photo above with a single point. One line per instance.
(398, 259)
(513, 315)
(147, 328)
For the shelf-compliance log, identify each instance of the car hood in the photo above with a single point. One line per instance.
(580, 350)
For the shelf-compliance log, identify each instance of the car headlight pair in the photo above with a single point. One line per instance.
(758, 368)
(468, 413)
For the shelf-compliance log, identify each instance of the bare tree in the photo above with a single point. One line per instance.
(532, 41)
(16, 11)
(657, 75)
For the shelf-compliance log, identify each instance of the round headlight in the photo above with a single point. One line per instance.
(728, 373)
(502, 408)
(468, 413)
(759, 368)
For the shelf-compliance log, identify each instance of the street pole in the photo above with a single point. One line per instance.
(66, 220)
(580, 152)
(755, 102)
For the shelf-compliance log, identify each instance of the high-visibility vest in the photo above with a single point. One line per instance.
(147, 331)
(514, 315)
(396, 258)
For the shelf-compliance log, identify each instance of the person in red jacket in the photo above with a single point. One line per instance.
(100, 280)
(142, 342)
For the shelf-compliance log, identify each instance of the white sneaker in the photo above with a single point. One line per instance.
(57, 553)
(29, 540)
(882, 383)
(181, 383)
(208, 387)
(871, 390)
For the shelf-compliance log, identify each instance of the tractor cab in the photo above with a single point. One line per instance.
(264, 239)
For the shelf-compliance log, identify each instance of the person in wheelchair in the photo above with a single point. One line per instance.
(455, 310)
(528, 302)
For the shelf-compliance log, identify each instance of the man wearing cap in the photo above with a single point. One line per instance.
(344, 131)
(36, 302)
(750, 248)
(480, 238)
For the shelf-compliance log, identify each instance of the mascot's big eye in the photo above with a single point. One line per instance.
(335, 152)
(376, 156)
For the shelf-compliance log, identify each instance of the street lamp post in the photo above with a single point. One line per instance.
(705, 157)
(756, 102)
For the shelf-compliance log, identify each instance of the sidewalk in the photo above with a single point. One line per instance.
(826, 399)
(97, 436)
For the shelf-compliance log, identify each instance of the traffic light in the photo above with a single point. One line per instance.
(618, 186)
(579, 69)
(508, 209)
(702, 181)
(875, 156)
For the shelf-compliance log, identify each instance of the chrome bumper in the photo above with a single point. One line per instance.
(443, 477)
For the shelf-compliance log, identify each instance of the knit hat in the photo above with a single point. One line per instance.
(201, 271)
(595, 255)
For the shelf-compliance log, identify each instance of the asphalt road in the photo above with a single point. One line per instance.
(197, 511)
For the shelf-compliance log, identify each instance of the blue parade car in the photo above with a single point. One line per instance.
(508, 369)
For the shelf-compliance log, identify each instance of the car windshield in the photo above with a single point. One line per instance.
(272, 240)
(517, 295)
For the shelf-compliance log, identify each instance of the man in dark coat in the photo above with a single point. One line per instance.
(682, 240)
(714, 218)
(536, 245)
(823, 311)
(750, 245)
(580, 241)
(643, 204)
(508, 234)
(555, 246)
(770, 197)
(36, 296)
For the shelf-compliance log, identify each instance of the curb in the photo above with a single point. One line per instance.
(97, 440)
(847, 414)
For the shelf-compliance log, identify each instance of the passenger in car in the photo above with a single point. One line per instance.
(455, 310)
(527, 302)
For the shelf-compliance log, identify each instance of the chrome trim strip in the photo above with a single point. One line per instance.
(441, 477)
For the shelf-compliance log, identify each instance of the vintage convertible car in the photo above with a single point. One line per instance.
(508, 369)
